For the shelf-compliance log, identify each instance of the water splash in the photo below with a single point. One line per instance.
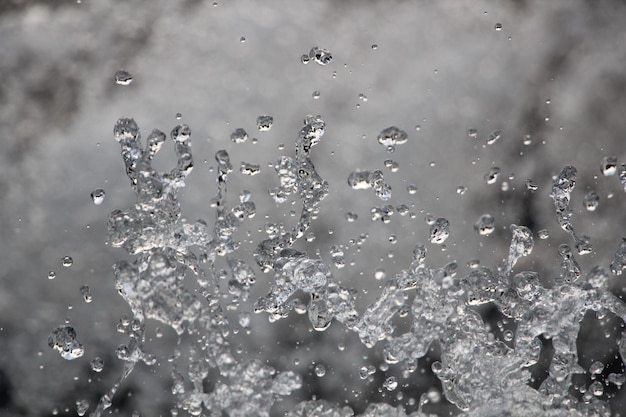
(479, 373)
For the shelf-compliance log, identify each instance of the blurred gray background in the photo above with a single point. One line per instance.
(554, 72)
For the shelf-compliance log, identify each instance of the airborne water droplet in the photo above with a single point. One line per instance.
(264, 123)
(439, 231)
(67, 261)
(123, 77)
(52, 275)
(485, 225)
(320, 370)
(493, 137)
(608, 166)
(492, 176)
(531, 185)
(239, 136)
(97, 364)
(392, 136)
(97, 196)
(63, 340)
(85, 292)
(81, 407)
(543, 234)
(320, 55)
(591, 201)
(498, 27)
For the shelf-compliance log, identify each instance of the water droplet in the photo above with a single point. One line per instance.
(485, 225)
(472, 133)
(596, 368)
(351, 217)
(264, 123)
(531, 185)
(591, 201)
(527, 140)
(492, 176)
(391, 383)
(461, 189)
(123, 77)
(392, 136)
(498, 27)
(508, 335)
(81, 407)
(67, 261)
(63, 340)
(320, 370)
(473, 264)
(494, 137)
(305, 59)
(412, 188)
(52, 275)
(521, 245)
(320, 55)
(617, 379)
(596, 388)
(316, 94)
(239, 136)
(242, 39)
(97, 364)
(543, 234)
(85, 292)
(97, 196)
(608, 166)
(439, 231)
(374, 46)
(250, 169)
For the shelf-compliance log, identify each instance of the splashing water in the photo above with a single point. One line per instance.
(479, 373)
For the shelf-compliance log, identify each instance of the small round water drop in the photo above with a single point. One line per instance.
(498, 27)
(596, 388)
(52, 275)
(608, 166)
(320, 370)
(531, 185)
(351, 217)
(97, 196)
(591, 201)
(508, 335)
(472, 133)
(543, 234)
(123, 77)
(81, 407)
(596, 368)
(380, 274)
(264, 123)
(461, 189)
(67, 261)
(485, 225)
(391, 383)
(85, 292)
(374, 46)
(305, 59)
(239, 136)
(412, 188)
(316, 94)
(97, 364)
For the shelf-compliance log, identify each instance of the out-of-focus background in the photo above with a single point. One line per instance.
(548, 75)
